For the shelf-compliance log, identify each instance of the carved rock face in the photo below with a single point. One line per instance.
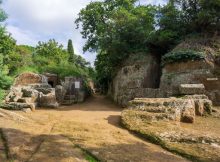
(30, 78)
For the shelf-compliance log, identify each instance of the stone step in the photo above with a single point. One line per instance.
(152, 109)
(26, 100)
(69, 97)
(149, 102)
(68, 102)
(152, 117)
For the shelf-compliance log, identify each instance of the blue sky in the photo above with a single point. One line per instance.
(30, 21)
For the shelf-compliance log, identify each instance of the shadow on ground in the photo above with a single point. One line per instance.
(25, 147)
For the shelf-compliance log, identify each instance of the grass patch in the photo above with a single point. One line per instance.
(89, 156)
(2, 95)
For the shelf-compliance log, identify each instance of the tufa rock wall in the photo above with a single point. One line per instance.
(142, 75)
(138, 77)
(192, 72)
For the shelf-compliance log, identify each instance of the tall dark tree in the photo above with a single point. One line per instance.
(70, 51)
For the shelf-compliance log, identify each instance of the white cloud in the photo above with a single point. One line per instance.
(22, 36)
(41, 20)
(31, 21)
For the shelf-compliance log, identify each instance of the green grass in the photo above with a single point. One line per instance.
(89, 156)
(2, 95)
(181, 56)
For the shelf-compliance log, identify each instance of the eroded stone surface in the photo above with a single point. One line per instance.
(190, 89)
(29, 78)
(179, 109)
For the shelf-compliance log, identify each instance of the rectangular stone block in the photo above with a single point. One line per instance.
(191, 89)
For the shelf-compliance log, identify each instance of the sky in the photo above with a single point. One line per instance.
(31, 21)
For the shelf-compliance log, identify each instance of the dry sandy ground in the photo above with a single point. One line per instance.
(56, 135)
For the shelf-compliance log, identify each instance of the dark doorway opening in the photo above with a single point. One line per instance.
(51, 83)
(153, 74)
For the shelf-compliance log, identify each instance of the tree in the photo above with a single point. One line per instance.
(114, 29)
(50, 52)
(6, 47)
(200, 15)
(5, 80)
(70, 51)
(3, 15)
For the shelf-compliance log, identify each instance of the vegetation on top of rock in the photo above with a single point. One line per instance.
(179, 56)
(201, 42)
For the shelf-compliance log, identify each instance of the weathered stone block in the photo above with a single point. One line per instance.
(174, 108)
(188, 112)
(48, 100)
(60, 92)
(190, 89)
(14, 95)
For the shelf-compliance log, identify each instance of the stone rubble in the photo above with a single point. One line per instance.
(30, 91)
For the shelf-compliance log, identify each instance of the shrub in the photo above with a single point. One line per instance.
(180, 56)
(26, 69)
(2, 95)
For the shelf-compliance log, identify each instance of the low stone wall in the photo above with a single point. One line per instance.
(192, 72)
(124, 97)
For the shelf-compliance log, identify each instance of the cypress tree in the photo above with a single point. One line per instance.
(70, 50)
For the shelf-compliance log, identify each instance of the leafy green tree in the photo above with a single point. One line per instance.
(3, 15)
(115, 29)
(199, 15)
(5, 80)
(170, 28)
(50, 52)
(81, 62)
(5, 45)
(9, 57)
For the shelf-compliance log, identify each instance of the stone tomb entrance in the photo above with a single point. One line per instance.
(52, 79)
(74, 90)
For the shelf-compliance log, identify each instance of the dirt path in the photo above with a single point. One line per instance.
(93, 126)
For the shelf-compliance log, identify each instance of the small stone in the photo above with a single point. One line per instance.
(215, 145)
(95, 153)
(26, 110)
(188, 119)
(199, 107)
